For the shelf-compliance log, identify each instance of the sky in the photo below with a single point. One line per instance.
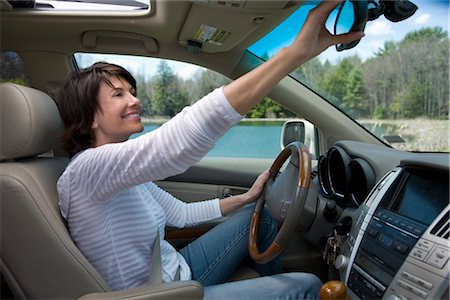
(430, 13)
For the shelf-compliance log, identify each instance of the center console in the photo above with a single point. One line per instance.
(398, 246)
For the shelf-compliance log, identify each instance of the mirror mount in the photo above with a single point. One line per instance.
(394, 11)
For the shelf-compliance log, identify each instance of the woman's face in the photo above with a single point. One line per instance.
(118, 115)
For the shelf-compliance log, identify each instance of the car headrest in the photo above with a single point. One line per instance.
(29, 122)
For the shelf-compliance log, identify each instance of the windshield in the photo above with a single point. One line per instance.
(395, 82)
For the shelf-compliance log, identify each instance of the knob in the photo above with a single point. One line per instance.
(334, 289)
(330, 211)
(393, 297)
(341, 262)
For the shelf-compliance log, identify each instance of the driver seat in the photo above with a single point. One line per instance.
(38, 258)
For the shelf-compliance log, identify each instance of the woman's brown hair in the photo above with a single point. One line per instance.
(77, 103)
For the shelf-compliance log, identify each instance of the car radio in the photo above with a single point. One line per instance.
(391, 246)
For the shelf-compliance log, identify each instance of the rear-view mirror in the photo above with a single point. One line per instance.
(351, 16)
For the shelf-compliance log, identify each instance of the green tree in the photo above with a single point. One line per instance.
(428, 34)
(310, 73)
(204, 82)
(335, 79)
(389, 47)
(167, 96)
(268, 108)
(415, 93)
(379, 113)
(410, 78)
(144, 93)
(355, 97)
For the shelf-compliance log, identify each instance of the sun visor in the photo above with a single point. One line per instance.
(218, 26)
(103, 40)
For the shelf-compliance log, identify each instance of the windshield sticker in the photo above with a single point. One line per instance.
(205, 33)
(212, 35)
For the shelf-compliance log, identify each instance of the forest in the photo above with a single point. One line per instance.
(404, 80)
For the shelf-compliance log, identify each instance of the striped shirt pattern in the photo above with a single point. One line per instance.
(113, 208)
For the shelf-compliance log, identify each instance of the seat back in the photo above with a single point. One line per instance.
(38, 258)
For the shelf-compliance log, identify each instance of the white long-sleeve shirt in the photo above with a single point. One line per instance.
(113, 209)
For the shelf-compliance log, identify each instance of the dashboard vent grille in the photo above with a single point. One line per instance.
(442, 228)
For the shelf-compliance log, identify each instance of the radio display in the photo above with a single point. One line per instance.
(422, 196)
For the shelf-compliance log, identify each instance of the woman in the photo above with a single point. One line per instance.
(114, 211)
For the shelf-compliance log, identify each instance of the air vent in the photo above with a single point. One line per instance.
(442, 228)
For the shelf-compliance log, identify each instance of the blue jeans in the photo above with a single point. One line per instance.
(215, 256)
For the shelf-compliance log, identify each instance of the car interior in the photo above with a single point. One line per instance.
(372, 219)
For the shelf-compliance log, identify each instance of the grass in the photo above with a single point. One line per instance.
(419, 134)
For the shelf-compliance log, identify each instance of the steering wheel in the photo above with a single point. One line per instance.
(285, 194)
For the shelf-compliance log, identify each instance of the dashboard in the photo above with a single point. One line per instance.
(397, 244)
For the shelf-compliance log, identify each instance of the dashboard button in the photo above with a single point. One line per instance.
(418, 254)
(384, 216)
(412, 289)
(418, 231)
(399, 247)
(385, 240)
(407, 275)
(378, 225)
(417, 280)
(438, 257)
(423, 283)
(372, 232)
(425, 245)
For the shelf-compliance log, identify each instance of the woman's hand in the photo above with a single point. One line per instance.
(314, 38)
(255, 191)
(232, 203)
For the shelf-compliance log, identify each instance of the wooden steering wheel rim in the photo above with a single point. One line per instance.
(300, 153)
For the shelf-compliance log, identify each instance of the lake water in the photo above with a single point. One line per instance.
(258, 139)
(247, 139)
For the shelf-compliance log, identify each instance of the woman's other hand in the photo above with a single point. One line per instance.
(255, 191)
(232, 203)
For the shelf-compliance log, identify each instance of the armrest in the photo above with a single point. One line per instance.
(173, 290)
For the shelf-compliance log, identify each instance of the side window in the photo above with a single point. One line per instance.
(12, 69)
(164, 87)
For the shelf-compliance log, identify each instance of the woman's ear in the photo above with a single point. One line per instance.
(94, 123)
